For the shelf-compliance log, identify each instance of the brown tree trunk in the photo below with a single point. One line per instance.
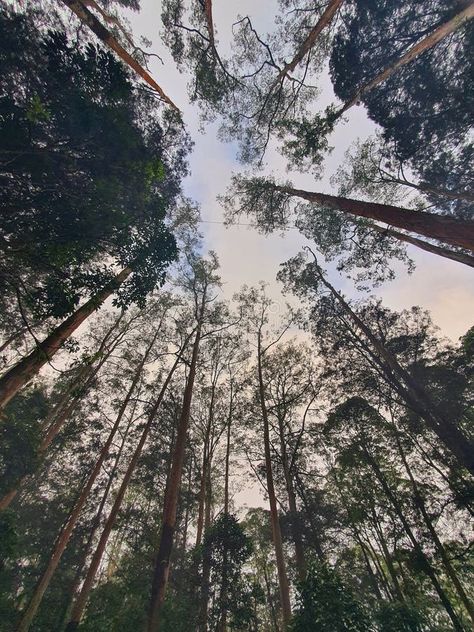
(414, 395)
(209, 21)
(449, 230)
(88, 18)
(426, 564)
(447, 253)
(162, 561)
(425, 44)
(19, 375)
(83, 596)
(276, 531)
(68, 528)
(448, 567)
(324, 21)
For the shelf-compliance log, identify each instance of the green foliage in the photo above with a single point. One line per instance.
(326, 604)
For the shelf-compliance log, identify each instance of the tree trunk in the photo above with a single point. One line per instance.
(324, 21)
(425, 44)
(413, 394)
(162, 561)
(420, 505)
(88, 18)
(68, 528)
(19, 375)
(449, 230)
(276, 531)
(81, 600)
(426, 564)
(209, 21)
(447, 253)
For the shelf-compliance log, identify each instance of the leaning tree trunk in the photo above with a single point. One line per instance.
(308, 43)
(426, 564)
(413, 394)
(19, 375)
(420, 505)
(162, 561)
(63, 411)
(88, 18)
(276, 531)
(68, 528)
(425, 44)
(449, 230)
(447, 253)
(83, 596)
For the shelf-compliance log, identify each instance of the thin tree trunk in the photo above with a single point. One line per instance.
(276, 531)
(19, 375)
(426, 564)
(324, 21)
(448, 567)
(162, 561)
(202, 496)
(88, 18)
(426, 188)
(447, 253)
(209, 21)
(425, 44)
(449, 230)
(81, 600)
(206, 560)
(413, 394)
(68, 528)
(309, 513)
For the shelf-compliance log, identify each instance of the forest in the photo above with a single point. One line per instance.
(187, 446)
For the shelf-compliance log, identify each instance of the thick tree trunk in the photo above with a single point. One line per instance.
(88, 18)
(448, 433)
(448, 567)
(162, 561)
(19, 375)
(446, 229)
(81, 600)
(426, 564)
(447, 253)
(425, 44)
(68, 528)
(209, 21)
(276, 531)
(324, 21)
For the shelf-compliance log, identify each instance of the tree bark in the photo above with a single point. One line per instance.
(460, 257)
(83, 596)
(68, 528)
(324, 21)
(209, 21)
(19, 375)
(428, 42)
(162, 561)
(446, 229)
(276, 531)
(88, 18)
(412, 392)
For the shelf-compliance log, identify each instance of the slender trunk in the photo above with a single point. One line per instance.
(380, 571)
(227, 456)
(81, 600)
(273, 613)
(202, 496)
(67, 530)
(388, 558)
(449, 230)
(206, 560)
(324, 21)
(425, 44)
(310, 515)
(88, 18)
(413, 393)
(19, 375)
(370, 571)
(276, 531)
(447, 253)
(448, 567)
(293, 509)
(95, 525)
(426, 188)
(426, 564)
(14, 337)
(162, 561)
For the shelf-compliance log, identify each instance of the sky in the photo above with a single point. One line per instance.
(443, 287)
